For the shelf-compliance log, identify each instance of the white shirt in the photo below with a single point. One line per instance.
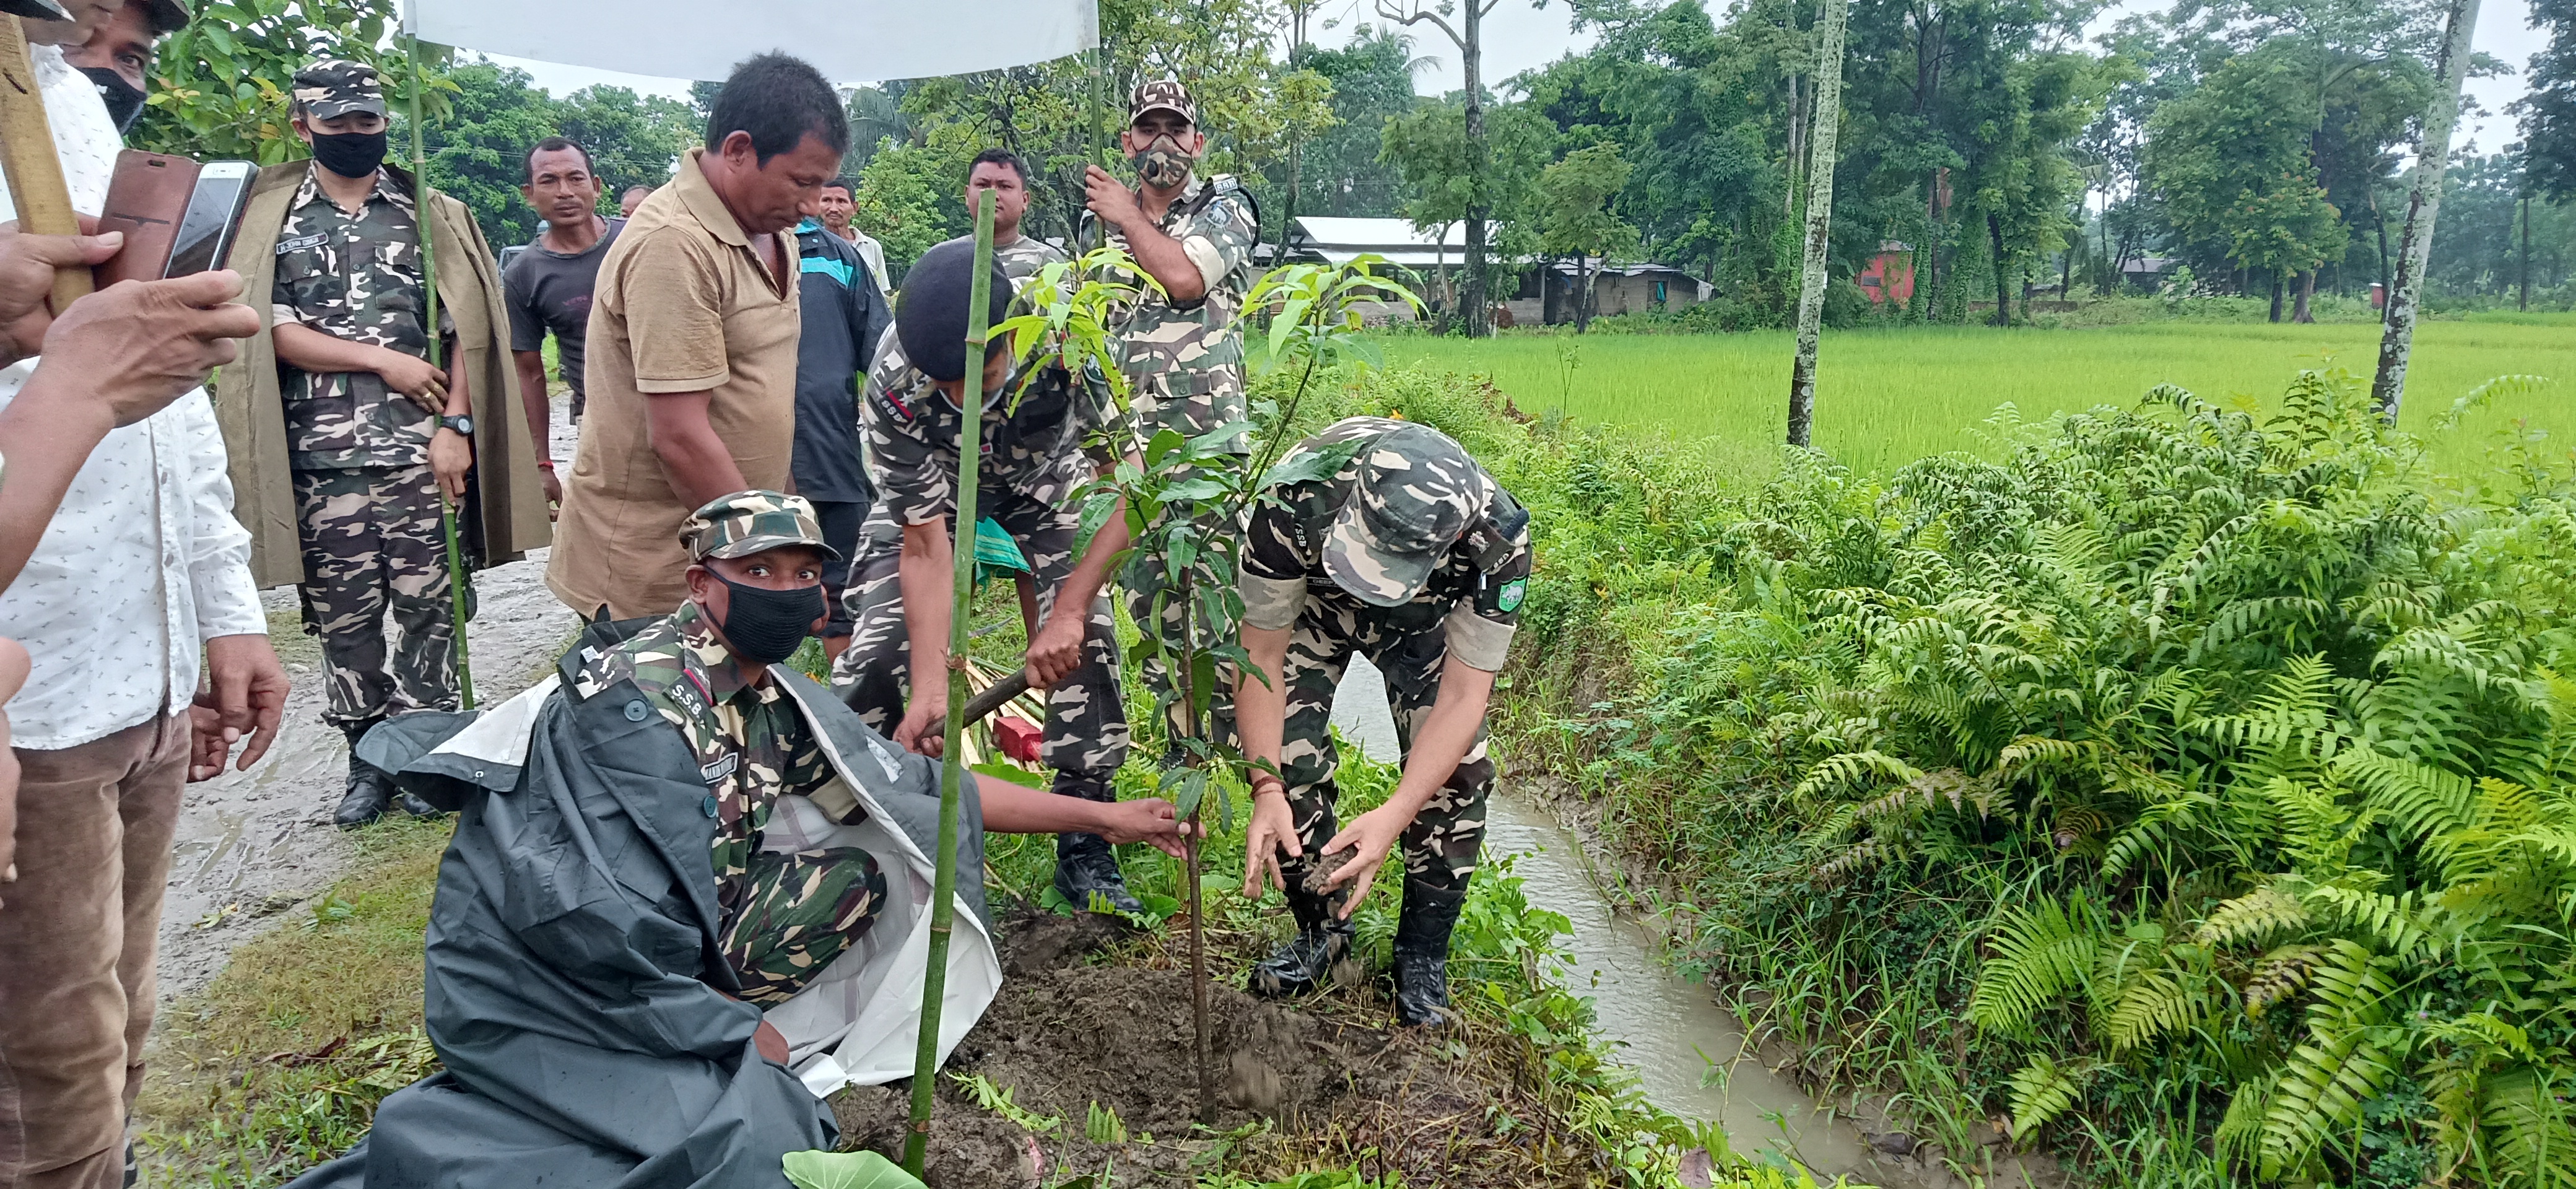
(144, 561)
(874, 253)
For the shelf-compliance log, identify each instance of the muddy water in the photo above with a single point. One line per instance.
(1689, 1054)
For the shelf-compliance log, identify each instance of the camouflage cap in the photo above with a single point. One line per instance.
(749, 522)
(1417, 491)
(1163, 94)
(335, 87)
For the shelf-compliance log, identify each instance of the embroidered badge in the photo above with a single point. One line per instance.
(1508, 599)
(711, 773)
(301, 242)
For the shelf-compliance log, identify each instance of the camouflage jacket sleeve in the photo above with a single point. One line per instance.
(916, 480)
(1219, 239)
(1480, 628)
(1277, 557)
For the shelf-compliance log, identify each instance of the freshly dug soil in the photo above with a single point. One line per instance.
(1066, 1033)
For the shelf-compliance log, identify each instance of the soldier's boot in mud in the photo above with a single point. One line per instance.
(1306, 962)
(370, 788)
(1085, 866)
(1422, 952)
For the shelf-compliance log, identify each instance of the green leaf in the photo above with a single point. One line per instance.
(1016, 775)
(1164, 442)
(845, 1170)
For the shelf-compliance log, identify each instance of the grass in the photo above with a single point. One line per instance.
(1887, 397)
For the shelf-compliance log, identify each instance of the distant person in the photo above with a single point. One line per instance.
(632, 198)
(840, 205)
(1411, 555)
(548, 287)
(692, 361)
(116, 56)
(1001, 173)
(362, 441)
(844, 313)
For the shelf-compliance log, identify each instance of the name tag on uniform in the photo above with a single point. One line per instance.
(720, 769)
(301, 242)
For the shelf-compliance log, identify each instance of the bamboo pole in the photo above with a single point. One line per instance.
(429, 327)
(952, 767)
(1820, 211)
(36, 185)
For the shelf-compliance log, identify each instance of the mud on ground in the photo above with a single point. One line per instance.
(1319, 1083)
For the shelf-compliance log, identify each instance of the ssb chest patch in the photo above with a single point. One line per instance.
(301, 242)
(892, 405)
(1509, 597)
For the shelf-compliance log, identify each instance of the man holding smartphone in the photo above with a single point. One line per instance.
(375, 436)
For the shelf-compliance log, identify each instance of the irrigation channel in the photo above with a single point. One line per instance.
(1690, 1055)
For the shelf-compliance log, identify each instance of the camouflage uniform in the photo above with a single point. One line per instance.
(1022, 258)
(1185, 366)
(366, 504)
(1300, 569)
(1031, 463)
(783, 917)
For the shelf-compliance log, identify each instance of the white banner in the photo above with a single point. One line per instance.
(850, 41)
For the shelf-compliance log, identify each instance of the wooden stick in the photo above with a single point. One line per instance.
(27, 152)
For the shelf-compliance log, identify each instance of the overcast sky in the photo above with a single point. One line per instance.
(1518, 37)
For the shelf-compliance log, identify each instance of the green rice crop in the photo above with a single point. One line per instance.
(1887, 397)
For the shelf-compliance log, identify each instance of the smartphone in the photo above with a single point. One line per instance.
(146, 197)
(206, 232)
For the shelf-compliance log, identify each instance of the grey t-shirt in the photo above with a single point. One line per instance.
(550, 290)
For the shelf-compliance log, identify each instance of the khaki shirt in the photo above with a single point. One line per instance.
(683, 304)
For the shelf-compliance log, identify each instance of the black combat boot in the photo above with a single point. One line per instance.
(1306, 962)
(1422, 952)
(370, 788)
(1084, 863)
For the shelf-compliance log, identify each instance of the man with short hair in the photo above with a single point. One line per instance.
(1409, 554)
(1002, 174)
(337, 414)
(692, 355)
(844, 313)
(116, 56)
(548, 287)
(632, 198)
(687, 895)
(840, 204)
(1183, 349)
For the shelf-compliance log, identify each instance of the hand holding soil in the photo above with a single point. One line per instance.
(1372, 835)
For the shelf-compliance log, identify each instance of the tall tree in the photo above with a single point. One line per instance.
(1571, 205)
(2233, 164)
(2549, 109)
(2423, 205)
(1469, 36)
(1372, 80)
(1431, 152)
(219, 87)
(1820, 210)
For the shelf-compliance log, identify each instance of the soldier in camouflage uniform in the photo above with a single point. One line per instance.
(783, 916)
(1183, 352)
(1031, 463)
(373, 431)
(1401, 548)
(1001, 173)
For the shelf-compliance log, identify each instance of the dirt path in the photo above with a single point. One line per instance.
(254, 845)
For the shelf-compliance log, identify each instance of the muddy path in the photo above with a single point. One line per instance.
(256, 845)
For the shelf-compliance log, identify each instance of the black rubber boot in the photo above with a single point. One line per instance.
(417, 807)
(1306, 962)
(370, 788)
(1422, 952)
(1085, 865)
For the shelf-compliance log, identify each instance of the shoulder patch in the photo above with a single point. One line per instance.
(1508, 599)
(890, 404)
(301, 242)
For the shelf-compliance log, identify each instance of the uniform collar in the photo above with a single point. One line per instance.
(700, 197)
(707, 657)
(388, 188)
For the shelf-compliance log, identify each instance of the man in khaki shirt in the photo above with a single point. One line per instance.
(693, 330)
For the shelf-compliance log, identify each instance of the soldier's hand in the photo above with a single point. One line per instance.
(1109, 198)
(1371, 835)
(911, 734)
(415, 378)
(1271, 829)
(138, 345)
(451, 456)
(1056, 652)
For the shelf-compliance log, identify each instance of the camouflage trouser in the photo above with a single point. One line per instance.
(796, 913)
(373, 544)
(1408, 645)
(1144, 582)
(1086, 727)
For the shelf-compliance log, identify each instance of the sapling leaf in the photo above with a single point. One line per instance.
(845, 1170)
(1016, 775)
(1193, 790)
(1163, 442)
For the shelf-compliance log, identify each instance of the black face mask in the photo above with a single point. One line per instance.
(766, 626)
(350, 154)
(124, 99)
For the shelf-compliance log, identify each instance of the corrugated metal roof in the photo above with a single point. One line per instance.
(1328, 233)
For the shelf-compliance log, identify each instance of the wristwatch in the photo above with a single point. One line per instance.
(462, 423)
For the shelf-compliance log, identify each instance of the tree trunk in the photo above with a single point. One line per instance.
(2307, 289)
(1471, 57)
(2524, 302)
(2003, 279)
(2280, 289)
(2423, 205)
(1820, 214)
(1797, 137)
(1582, 293)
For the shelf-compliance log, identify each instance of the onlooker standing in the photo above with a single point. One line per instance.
(373, 435)
(1183, 350)
(548, 286)
(840, 202)
(116, 55)
(844, 313)
(1001, 173)
(692, 359)
(137, 565)
(632, 198)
